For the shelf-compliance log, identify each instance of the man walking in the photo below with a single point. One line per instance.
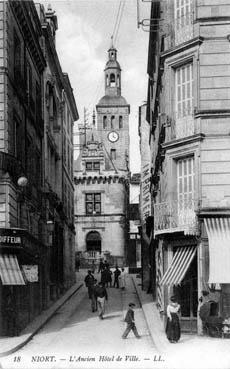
(117, 272)
(102, 295)
(89, 282)
(94, 296)
(129, 319)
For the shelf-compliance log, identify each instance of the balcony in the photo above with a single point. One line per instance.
(175, 216)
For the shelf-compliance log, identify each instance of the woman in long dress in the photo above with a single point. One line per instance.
(173, 323)
(122, 279)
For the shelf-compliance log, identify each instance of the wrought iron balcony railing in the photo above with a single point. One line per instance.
(176, 215)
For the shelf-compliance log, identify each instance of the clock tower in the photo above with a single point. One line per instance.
(102, 176)
(113, 116)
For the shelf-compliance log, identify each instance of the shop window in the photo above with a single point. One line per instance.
(93, 203)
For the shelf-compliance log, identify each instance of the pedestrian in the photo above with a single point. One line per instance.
(122, 278)
(102, 296)
(129, 319)
(101, 266)
(117, 272)
(93, 266)
(89, 282)
(106, 264)
(94, 296)
(109, 277)
(173, 323)
(77, 264)
(104, 277)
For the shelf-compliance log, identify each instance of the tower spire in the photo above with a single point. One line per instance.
(111, 45)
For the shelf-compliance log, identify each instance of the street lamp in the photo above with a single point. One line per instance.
(22, 181)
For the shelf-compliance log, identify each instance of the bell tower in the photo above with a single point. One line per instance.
(113, 115)
(112, 74)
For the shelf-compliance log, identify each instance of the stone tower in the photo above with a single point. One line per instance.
(113, 115)
(102, 176)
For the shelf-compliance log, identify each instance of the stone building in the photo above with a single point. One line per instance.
(60, 112)
(102, 175)
(188, 106)
(26, 138)
(134, 246)
(145, 205)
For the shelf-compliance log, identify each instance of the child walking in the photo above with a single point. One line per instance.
(129, 319)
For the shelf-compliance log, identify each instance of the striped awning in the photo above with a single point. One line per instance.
(218, 230)
(179, 265)
(10, 272)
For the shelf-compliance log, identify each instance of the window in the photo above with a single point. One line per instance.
(182, 13)
(38, 101)
(112, 80)
(92, 165)
(113, 122)
(28, 81)
(120, 122)
(104, 122)
(113, 154)
(185, 190)
(183, 20)
(118, 80)
(17, 56)
(184, 90)
(93, 203)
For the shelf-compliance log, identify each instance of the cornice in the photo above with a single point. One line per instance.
(100, 179)
(183, 141)
(182, 47)
(20, 10)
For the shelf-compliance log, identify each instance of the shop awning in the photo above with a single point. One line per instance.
(179, 265)
(218, 230)
(10, 272)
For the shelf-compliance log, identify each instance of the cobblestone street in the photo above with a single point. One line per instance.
(76, 336)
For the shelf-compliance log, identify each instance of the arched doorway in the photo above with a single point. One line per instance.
(93, 242)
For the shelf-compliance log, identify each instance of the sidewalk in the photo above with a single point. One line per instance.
(152, 317)
(9, 345)
(192, 351)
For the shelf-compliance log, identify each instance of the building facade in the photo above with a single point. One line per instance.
(134, 247)
(190, 147)
(102, 175)
(145, 206)
(28, 137)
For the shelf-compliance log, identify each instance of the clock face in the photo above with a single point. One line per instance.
(113, 136)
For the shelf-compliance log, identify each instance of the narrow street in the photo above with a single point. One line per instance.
(75, 337)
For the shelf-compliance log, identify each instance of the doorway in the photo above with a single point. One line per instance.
(93, 243)
(187, 294)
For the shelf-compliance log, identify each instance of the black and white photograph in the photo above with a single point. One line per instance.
(115, 184)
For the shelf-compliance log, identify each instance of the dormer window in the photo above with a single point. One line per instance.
(112, 80)
(92, 165)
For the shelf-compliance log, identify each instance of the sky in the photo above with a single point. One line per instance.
(84, 35)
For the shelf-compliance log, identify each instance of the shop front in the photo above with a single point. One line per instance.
(21, 279)
(180, 278)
